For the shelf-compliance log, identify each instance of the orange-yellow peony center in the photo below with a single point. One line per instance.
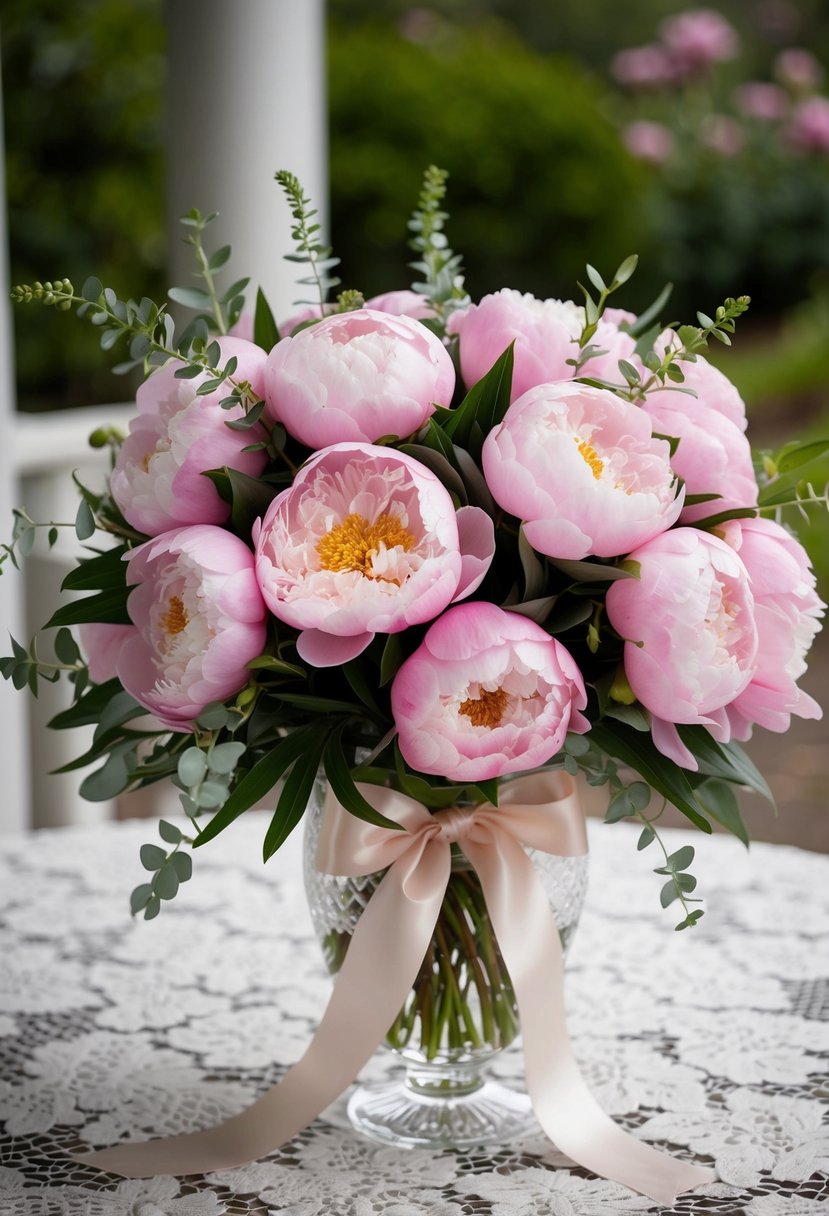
(590, 456)
(352, 543)
(175, 619)
(487, 709)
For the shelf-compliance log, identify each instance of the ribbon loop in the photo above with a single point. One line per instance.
(382, 962)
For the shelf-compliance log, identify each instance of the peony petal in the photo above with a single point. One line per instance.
(476, 537)
(329, 650)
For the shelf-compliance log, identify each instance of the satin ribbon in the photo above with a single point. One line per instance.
(384, 956)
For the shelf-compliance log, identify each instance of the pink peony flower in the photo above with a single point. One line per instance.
(649, 141)
(723, 135)
(366, 541)
(310, 312)
(487, 692)
(546, 335)
(158, 480)
(690, 634)
(580, 467)
(402, 304)
(199, 620)
(788, 611)
(643, 67)
(102, 643)
(758, 99)
(713, 455)
(798, 69)
(698, 38)
(356, 377)
(808, 130)
(712, 387)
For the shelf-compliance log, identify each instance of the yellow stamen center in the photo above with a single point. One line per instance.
(590, 456)
(487, 709)
(352, 544)
(145, 462)
(175, 619)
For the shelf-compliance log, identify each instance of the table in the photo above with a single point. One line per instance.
(713, 1041)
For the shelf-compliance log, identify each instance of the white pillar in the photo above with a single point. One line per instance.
(246, 96)
(14, 742)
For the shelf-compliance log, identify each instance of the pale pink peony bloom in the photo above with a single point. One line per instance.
(788, 610)
(690, 634)
(808, 130)
(356, 377)
(648, 141)
(309, 312)
(643, 67)
(581, 468)
(199, 620)
(158, 480)
(487, 692)
(101, 643)
(761, 100)
(366, 540)
(698, 38)
(723, 135)
(712, 387)
(798, 69)
(546, 334)
(402, 303)
(713, 455)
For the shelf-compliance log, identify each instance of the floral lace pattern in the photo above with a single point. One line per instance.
(712, 1043)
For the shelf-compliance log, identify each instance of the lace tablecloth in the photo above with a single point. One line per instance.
(712, 1042)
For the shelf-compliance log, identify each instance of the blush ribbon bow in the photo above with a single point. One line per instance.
(384, 956)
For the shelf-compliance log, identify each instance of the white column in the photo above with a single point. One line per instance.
(246, 96)
(14, 734)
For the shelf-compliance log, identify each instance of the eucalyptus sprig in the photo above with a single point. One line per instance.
(594, 308)
(442, 270)
(309, 249)
(220, 312)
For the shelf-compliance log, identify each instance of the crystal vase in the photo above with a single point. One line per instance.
(459, 1014)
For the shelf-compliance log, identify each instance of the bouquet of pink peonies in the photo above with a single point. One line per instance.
(425, 544)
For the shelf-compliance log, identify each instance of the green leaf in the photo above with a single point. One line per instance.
(166, 884)
(489, 789)
(681, 859)
(799, 454)
(169, 832)
(726, 760)
(260, 780)
(668, 893)
(638, 752)
(646, 837)
(486, 403)
(110, 780)
(438, 463)
(183, 864)
(343, 787)
(88, 709)
(219, 258)
(152, 856)
(66, 648)
(192, 767)
(294, 798)
(249, 497)
(595, 278)
(631, 715)
(265, 332)
(153, 908)
(620, 807)
(721, 517)
(84, 521)
(109, 606)
(391, 659)
(140, 896)
(191, 297)
(213, 716)
(590, 571)
(224, 758)
(720, 802)
(92, 290)
(103, 572)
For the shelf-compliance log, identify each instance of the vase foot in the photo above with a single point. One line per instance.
(397, 1113)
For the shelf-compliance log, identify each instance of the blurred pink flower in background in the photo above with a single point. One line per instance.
(723, 135)
(199, 620)
(402, 303)
(690, 634)
(698, 38)
(310, 312)
(366, 540)
(759, 99)
(487, 692)
(643, 67)
(788, 610)
(649, 141)
(158, 480)
(798, 69)
(357, 376)
(101, 643)
(546, 335)
(581, 468)
(808, 130)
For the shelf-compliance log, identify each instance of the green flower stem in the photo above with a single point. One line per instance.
(457, 922)
(207, 274)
